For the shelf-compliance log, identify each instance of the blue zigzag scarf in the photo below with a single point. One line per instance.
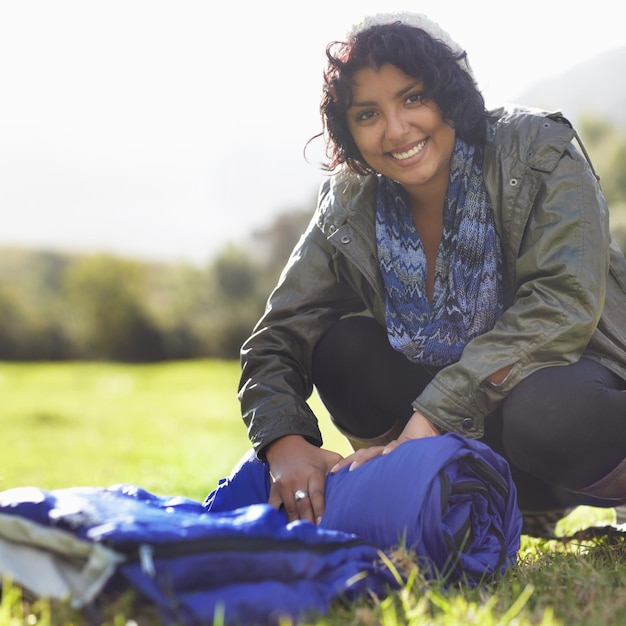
(467, 299)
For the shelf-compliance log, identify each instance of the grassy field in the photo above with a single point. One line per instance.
(175, 429)
(172, 428)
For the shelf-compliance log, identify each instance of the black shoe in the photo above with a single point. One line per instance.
(542, 523)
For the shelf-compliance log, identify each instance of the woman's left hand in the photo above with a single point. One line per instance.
(417, 427)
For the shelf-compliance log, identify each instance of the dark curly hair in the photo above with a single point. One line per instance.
(417, 54)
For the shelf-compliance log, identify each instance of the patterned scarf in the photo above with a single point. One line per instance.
(467, 299)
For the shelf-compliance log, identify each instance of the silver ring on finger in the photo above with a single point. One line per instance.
(300, 494)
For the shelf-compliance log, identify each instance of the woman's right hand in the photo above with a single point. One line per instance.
(298, 466)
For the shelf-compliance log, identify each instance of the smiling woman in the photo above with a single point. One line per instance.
(442, 287)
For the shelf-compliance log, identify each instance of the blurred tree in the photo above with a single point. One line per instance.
(13, 328)
(27, 332)
(236, 274)
(105, 297)
(238, 299)
(274, 244)
(607, 147)
(180, 300)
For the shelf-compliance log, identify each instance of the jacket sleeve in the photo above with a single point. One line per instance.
(276, 359)
(557, 268)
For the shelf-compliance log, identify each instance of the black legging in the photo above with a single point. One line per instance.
(561, 429)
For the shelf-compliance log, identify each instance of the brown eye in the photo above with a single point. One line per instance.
(364, 116)
(414, 98)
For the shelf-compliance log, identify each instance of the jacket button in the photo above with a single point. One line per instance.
(467, 423)
(345, 239)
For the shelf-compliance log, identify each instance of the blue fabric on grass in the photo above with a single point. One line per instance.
(248, 565)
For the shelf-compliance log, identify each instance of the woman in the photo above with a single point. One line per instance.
(458, 275)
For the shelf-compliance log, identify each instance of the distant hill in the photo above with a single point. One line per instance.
(596, 86)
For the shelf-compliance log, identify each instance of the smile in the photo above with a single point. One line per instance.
(402, 156)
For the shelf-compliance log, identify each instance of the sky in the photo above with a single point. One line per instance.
(168, 129)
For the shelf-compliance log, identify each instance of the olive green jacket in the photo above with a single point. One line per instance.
(564, 283)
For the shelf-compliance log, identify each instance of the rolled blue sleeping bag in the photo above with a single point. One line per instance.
(448, 499)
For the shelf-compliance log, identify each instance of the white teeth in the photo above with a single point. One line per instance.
(401, 156)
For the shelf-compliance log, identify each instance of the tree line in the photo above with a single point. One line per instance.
(56, 306)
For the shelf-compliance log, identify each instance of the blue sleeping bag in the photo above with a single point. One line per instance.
(235, 559)
(194, 567)
(448, 499)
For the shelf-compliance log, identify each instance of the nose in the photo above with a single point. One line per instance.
(397, 126)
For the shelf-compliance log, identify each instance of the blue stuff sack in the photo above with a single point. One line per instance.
(448, 499)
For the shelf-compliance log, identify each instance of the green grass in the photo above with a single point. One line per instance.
(175, 428)
(172, 428)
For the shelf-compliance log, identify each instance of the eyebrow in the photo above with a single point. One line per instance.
(399, 94)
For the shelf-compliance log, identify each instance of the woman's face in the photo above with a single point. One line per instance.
(399, 133)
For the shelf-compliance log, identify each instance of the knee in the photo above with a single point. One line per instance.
(532, 429)
(350, 338)
(346, 346)
(519, 437)
(545, 429)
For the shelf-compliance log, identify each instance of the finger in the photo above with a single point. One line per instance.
(391, 446)
(277, 501)
(302, 498)
(345, 462)
(317, 497)
(364, 455)
(292, 509)
(274, 498)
